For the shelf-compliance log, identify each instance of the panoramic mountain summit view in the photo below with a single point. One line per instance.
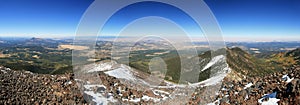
(140, 52)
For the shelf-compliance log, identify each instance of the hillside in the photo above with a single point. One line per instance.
(286, 59)
(295, 54)
(238, 60)
(246, 64)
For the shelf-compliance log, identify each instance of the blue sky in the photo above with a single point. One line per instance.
(41, 17)
(121, 19)
(257, 19)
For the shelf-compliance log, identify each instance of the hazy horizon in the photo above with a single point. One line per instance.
(247, 20)
(195, 39)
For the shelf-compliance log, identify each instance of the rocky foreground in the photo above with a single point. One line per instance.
(281, 88)
(23, 87)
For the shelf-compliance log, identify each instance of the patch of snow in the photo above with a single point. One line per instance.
(211, 81)
(70, 82)
(246, 98)
(286, 78)
(289, 80)
(136, 100)
(146, 98)
(101, 67)
(271, 101)
(224, 89)
(100, 99)
(28, 72)
(124, 99)
(160, 91)
(122, 73)
(248, 85)
(217, 93)
(214, 61)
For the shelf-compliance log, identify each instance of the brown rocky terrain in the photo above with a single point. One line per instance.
(237, 92)
(23, 87)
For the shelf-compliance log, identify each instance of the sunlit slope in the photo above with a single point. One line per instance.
(237, 60)
(246, 64)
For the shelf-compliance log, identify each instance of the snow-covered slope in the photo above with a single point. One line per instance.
(98, 97)
(122, 73)
(214, 60)
(101, 66)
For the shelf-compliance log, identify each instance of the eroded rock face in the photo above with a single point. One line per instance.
(23, 87)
